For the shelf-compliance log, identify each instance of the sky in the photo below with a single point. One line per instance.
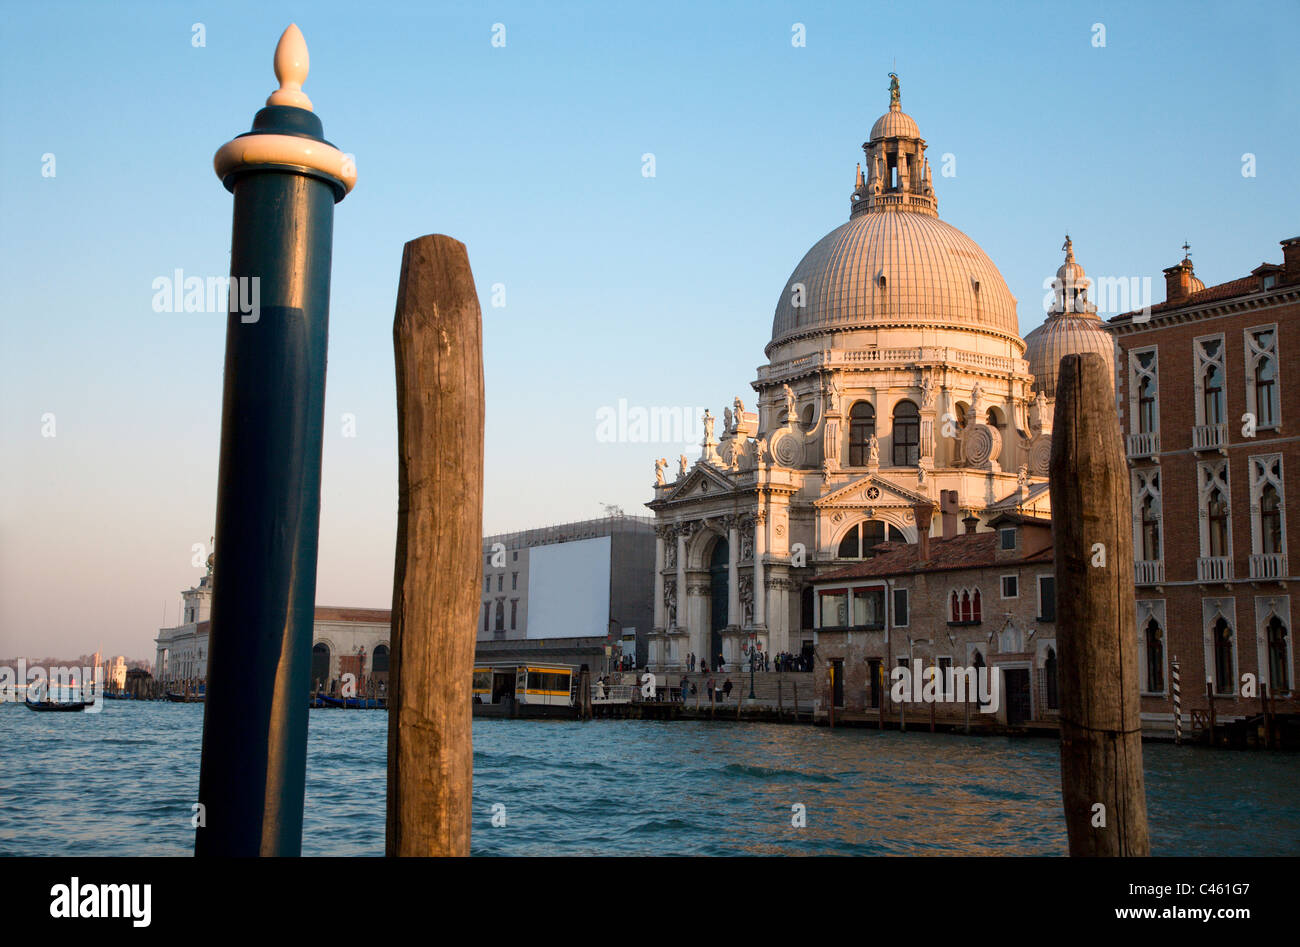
(1128, 125)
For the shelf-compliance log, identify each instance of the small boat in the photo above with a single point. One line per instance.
(185, 698)
(70, 706)
(352, 703)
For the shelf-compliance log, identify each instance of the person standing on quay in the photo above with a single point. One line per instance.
(685, 684)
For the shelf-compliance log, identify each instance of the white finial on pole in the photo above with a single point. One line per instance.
(291, 65)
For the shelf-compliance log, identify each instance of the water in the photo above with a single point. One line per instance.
(122, 782)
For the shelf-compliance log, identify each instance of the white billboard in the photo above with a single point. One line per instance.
(568, 589)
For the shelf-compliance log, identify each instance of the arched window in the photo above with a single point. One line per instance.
(860, 540)
(1279, 655)
(379, 660)
(964, 606)
(320, 665)
(1218, 516)
(808, 417)
(862, 424)
(1147, 421)
(1224, 679)
(1053, 682)
(1265, 375)
(907, 434)
(1150, 529)
(993, 419)
(1270, 519)
(954, 609)
(1155, 639)
(1212, 393)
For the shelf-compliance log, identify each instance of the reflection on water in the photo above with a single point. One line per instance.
(122, 782)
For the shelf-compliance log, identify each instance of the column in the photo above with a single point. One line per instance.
(760, 586)
(733, 574)
(682, 613)
(659, 580)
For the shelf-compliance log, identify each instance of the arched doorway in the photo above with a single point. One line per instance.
(721, 591)
(379, 664)
(320, 666)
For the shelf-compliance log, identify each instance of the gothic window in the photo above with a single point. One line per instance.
(1144, 385)
(1211, 407)
(1224, 679)
(1269, 526)
(965, 607)
(907, 434)
(1147, 520)
(1155, 655)
(1279, 657)
(860, 540)
(862, 425)
(1261, 375)
(1216, 533)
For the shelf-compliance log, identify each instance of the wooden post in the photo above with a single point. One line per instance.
(966, 705)
(1209, 696)
(932, 703)
(880, 696)
(780, 703)
(1268, 723)
(1101, 727)
(437, 344)
(795, 685)
(831, 703)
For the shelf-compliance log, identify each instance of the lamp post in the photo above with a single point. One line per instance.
(286, 179)
(753, 659)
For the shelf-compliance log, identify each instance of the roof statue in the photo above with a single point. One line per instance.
(893, 92)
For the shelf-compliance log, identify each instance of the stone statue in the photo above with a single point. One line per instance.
(1022, 477)
(790, 414)
(740, 408)
(1038, 412)
(760, 451)
(660, 464)
(727, 424)
(873, 451)
(833, 396)
(976, 397)
(893, 91)
(927, 390)
(682, 466)
(920, 476)
(708, 425)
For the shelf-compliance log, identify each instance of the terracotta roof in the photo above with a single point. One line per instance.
(967, 551)
(1237, 287)
(335, 613)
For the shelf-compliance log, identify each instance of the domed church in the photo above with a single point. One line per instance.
(895, 374)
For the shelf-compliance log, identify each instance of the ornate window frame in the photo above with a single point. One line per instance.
(1148, 609)
(1267, 606)
(1253, 353)
(1146, 485)
(1265, 470)
(1137, 373)
(1209, 475)
(1202, 363)
(1212, 609)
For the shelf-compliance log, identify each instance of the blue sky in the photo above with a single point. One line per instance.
(655, 290)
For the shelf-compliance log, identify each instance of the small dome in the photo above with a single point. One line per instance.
(1062, 335)
(894, 124)
(1196, 284)
(1070, 272)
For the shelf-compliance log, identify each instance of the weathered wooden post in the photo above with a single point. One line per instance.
(1101, 736)
(1209, 696)
(438, 349)
(286, 180)
(831, 702)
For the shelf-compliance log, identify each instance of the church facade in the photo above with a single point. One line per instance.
(895, 371)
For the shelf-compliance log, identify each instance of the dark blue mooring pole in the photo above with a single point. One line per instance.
(286, 179)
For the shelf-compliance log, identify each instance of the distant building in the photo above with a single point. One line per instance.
(1209, 418)
(971, 600)
(576, 587)
(559, 593)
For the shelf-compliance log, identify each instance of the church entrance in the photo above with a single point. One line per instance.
(718, 578)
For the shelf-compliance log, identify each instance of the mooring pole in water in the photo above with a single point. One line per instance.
(1101, 727)
(1178, 702)
(286, 180)
(438, 349)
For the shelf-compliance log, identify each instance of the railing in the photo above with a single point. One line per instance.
(1268, 565)
(1149, 571)
(612, 693)
(1209, 436)
(906, 356)
(1213, 569)
(1144, 444)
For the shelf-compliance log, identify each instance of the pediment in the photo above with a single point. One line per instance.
(703, 480)
(871, 491)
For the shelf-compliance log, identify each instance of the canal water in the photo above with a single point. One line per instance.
(123, 781)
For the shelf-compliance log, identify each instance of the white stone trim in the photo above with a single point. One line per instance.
(287, 150)
(1136, 373)
(1211, 474)
(1201, 363)
(1147, 609)
(1252, 355)
(1266, 606)
(1261, 473)
(1211, 610)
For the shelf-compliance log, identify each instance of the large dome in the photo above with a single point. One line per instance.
(1062, 335)
(893, 267)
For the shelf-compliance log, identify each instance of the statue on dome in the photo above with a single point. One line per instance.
(893, 91)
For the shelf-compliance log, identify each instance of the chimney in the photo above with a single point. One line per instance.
(1178, 283)
(971, 522)
(948, 512)
(1291, 260)
(924, 516)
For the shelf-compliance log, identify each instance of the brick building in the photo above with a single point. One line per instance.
(965, 600)
(1205, 404)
